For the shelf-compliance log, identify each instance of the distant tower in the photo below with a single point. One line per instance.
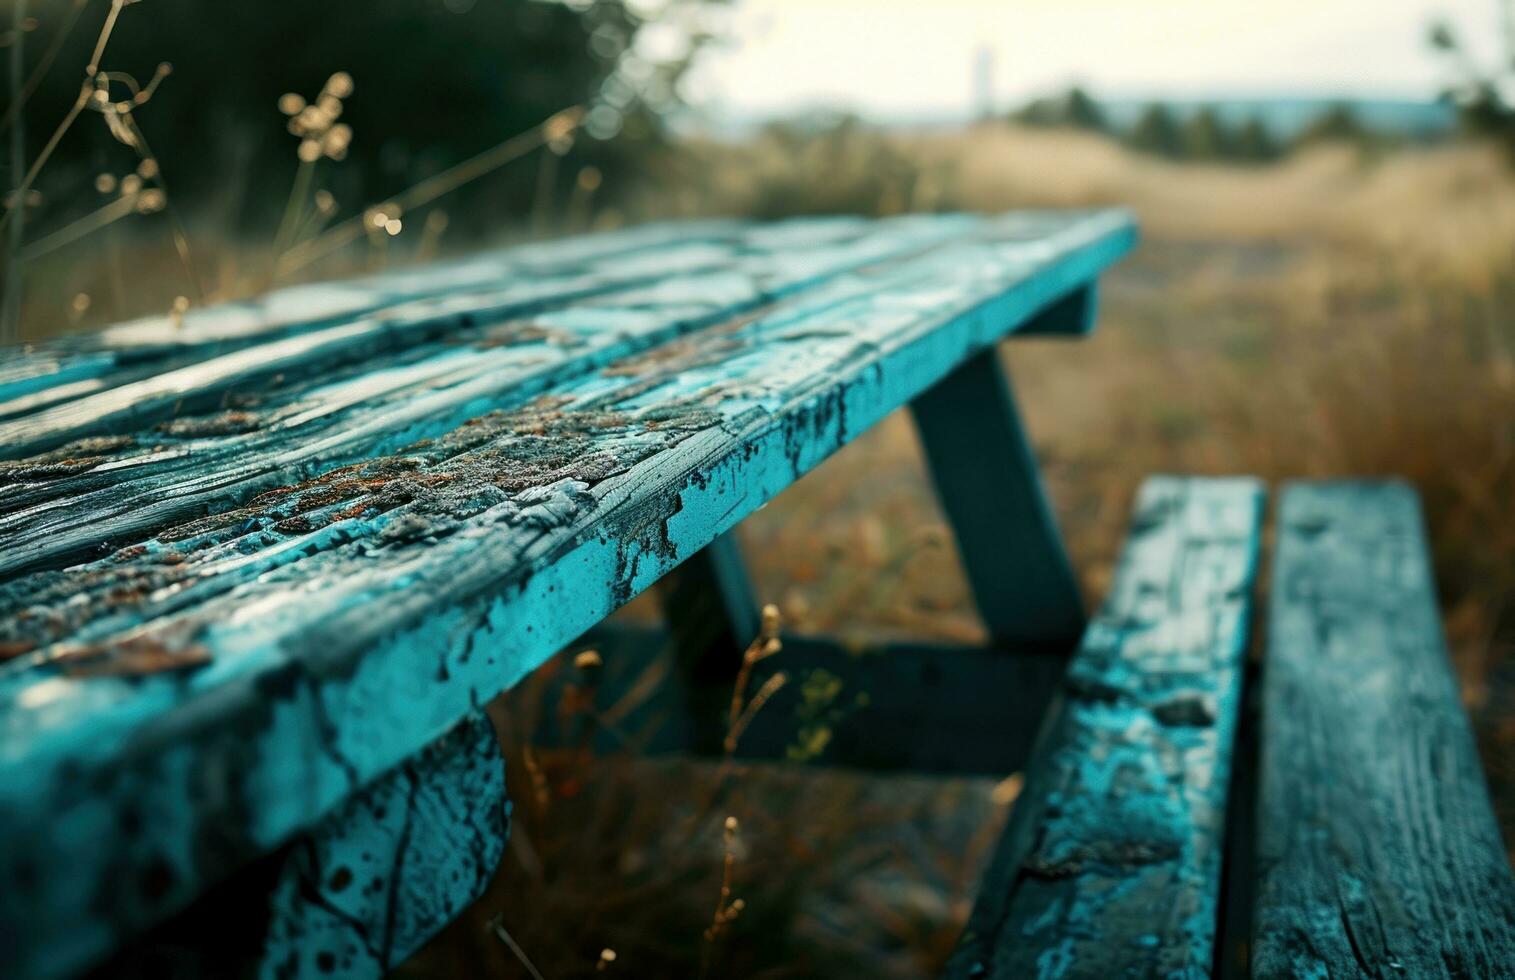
(983, 83)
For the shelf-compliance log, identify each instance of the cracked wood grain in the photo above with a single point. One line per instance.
(61, 506)
(1378, 851)
(74, 366)
(353, 613)
(1110, 866)
(373, 881)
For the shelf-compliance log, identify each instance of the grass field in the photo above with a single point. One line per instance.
(1340, 313)
(1337, 314)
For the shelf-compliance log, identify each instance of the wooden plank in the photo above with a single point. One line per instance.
(326, 630)
(987, 478)
(382, 875)
(358, 892)
(1378, 851)
(1111, 864)
(708, 604)
(98, 361)
(148, 390)
(362, 890)
(90, 497)
(1072, 316)
(885, 707)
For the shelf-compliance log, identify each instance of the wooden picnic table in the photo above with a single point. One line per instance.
(261, 569)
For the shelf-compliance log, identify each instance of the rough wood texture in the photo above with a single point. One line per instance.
(1111, 864)
(380, 876)
(297, 582)
(1378, 853)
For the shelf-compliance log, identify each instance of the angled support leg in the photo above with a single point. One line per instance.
(711, 616)
(395, 863)
(708, 602)
(987, 479)
(1071, 316)
(363, 889)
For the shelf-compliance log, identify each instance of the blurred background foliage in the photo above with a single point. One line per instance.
(212, 153)
(487, 69)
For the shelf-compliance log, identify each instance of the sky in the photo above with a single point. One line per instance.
(904, 57)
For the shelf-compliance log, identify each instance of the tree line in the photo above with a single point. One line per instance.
(1203, 133)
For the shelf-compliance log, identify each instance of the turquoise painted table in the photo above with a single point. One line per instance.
(260, 570)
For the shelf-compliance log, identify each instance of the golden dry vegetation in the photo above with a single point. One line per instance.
(1341, 313)
(1337, 314)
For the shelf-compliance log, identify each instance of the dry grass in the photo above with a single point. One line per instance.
(1333, 315)
(1329, 316)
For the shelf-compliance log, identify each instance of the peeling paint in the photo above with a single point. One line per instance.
(382, 553)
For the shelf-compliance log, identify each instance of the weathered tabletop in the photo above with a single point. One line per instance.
(251, 561)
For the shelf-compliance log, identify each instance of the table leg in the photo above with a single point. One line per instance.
(989, 485)
(711, 615)
(394, 864)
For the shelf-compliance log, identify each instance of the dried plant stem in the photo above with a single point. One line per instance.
(180, 235)
(742, 710)
(726, 907)
(428, 190)
(294, 206)
(86, 91)
(739, 715)
(431, 236)
(547, 176)
(310, 224)
(12, 206)
(749, 711)
(104, 38)
(581, 198)
(505, 937)
(10, 314)
(79, 228)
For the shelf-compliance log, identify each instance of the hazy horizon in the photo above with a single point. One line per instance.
(783, 57)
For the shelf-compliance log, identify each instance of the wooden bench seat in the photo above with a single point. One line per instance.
(1111, 864)
(1378, 852)
(254, 564)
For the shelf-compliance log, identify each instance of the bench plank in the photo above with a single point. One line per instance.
(93, 362)
(324, 631)
(446, 361)
(1378, 851)
(1110, 866)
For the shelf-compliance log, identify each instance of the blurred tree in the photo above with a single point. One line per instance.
(433, 83)
(1074, 108)
(1157, 132)
(1482, 93)
(867, 173)
(1338, 123)
(1205, 136)
(1254, 143)
(1082, 111)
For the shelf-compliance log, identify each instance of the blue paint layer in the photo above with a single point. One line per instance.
(1378, 851)
(1111, 864)
(331, 604)
(394, 864)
